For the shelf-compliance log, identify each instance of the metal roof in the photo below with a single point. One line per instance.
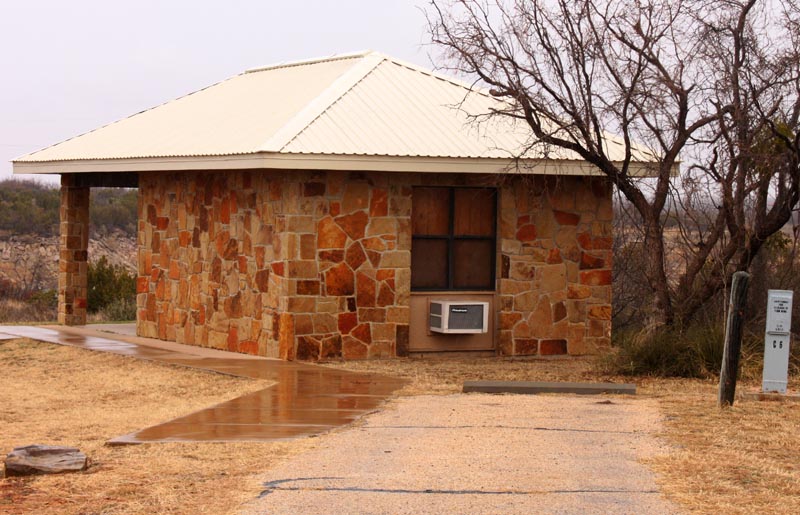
(354, 111)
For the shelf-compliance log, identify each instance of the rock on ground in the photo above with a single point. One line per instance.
(44, 459)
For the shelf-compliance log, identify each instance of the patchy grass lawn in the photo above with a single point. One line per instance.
(60, 395)
(740, 460)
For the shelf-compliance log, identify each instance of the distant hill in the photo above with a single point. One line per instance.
(31, 208)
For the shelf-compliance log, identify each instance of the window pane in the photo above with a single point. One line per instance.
(430, 211)
(473, 264)
(474, 212)
(429, 264)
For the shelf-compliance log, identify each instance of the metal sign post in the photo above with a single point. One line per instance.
(776, 344)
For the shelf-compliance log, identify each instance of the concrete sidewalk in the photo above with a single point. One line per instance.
(478, 454)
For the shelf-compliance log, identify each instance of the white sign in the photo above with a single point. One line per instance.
(779, 311)
(776, 341)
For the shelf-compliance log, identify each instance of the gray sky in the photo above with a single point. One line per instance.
(71, 66)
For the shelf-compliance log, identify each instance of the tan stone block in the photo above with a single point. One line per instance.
(398, 314)
(513, 287)
(324, 323)
(505, 344)
(576, 310)
(402, 281)
(508, 320)
(302, 269)
(522, 269)
(577, 346)
(396, 259)
(404, 233)
(511, 246)
(551, 278)
(301, 304)
(384, 349)
(526, 301)
(218, 339)
(400, 206)
(356, 197)
(601, 312)
(382, 225)
(522, 330)
(383, 332)
(303, 324)
(578, 291)
(541, 320)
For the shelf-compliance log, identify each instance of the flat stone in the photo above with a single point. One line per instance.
(44, 459)
(534, 387)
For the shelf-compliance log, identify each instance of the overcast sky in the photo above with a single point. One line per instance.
(71, 66)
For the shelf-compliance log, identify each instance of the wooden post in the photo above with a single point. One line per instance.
(733, 339)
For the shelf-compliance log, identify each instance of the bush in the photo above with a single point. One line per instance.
(694, 352)
(109, 284)
(120, 310)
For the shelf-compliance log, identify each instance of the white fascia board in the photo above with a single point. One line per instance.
(278, 161)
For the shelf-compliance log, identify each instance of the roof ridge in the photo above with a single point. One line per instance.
(317, 107)
(440, 76)
(313, 60)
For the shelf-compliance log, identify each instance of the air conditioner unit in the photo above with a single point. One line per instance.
(458, 317)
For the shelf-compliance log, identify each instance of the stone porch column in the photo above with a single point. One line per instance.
(73, 252)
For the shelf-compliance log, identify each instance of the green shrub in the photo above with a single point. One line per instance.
(120, 310)
(44, 299)
(693, 352)
(109, 284)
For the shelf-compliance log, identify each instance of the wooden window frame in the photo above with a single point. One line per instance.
(451, 238)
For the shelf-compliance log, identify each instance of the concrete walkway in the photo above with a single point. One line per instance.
(306, 400)
(478, 454)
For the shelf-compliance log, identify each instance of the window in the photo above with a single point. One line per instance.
(453, 238)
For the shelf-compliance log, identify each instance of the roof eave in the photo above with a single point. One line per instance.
(286, 161)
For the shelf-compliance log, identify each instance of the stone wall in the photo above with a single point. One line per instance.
(316, 265)
(73, 252)
(555, 267)
(286, 264)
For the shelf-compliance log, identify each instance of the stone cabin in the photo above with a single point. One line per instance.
(311, 210)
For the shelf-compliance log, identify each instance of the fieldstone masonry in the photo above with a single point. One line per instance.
(316, 265)
(73, 252)
(555, 267)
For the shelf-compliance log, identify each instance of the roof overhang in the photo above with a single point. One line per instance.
(284, 161)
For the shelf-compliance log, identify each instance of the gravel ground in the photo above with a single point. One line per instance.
(478, 454)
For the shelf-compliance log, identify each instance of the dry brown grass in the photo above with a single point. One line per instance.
(740, 460)
(67, 396)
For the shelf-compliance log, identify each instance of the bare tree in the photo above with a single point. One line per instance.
(715, 84)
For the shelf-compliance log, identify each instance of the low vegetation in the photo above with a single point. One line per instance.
(112, 291)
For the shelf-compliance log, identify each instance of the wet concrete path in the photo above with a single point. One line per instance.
(305, 400)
